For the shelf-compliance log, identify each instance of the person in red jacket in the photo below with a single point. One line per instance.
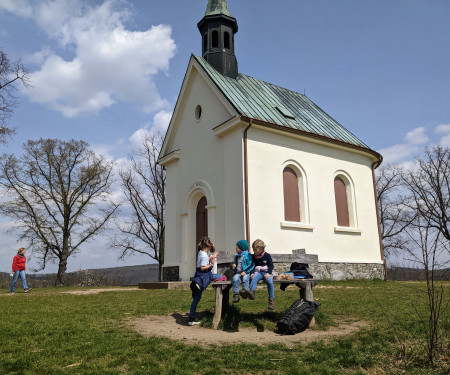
(18, 269)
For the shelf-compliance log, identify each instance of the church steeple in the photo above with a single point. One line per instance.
(217, 28)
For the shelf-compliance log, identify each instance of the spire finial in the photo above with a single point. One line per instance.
(217, 7)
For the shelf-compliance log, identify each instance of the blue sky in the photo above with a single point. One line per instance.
(106, 71)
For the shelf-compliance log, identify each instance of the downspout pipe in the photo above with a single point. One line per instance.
(375, 165)
(247, 211)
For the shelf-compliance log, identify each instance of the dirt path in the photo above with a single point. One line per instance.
(175, 327)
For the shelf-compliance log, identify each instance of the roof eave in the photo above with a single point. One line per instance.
(375, 155)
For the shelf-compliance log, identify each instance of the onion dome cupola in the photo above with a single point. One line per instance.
(217, 28)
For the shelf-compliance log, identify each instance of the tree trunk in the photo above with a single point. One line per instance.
(61, 275)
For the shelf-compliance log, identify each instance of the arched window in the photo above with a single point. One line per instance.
(215, 39)
(226, 39)
(205, 43)
(291, 195)
(342, 209)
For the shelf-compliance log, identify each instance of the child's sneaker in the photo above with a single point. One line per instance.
(193, 322)
(271, 304)
(243, 293)
(251, 294)
(27, 290)
(235, 298)
(11, 293)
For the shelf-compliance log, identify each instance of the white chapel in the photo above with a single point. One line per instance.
(246, 159)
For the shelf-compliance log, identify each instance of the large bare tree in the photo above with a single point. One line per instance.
(395, 214)
(144, 183)
(12, 73)
(429, 187)
(58, 194)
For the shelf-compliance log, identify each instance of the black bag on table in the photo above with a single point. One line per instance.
(297, 317)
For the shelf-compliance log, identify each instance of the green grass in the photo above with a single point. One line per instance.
(49, 332)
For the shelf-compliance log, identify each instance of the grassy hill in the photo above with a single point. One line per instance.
(69, 331)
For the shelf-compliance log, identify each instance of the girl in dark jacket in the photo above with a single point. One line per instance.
(18, 269)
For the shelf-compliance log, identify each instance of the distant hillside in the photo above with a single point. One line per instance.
(127, 275)
(405, 273)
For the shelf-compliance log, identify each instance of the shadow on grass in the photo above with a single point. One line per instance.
(234, 318)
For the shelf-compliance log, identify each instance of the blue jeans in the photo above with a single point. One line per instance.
(15, 277)
(270, 288)
(197, 298)
(237, 280)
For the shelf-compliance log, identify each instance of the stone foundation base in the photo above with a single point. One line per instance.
(324, 271)
(347, 271)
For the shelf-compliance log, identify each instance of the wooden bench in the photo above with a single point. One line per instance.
(222, 289)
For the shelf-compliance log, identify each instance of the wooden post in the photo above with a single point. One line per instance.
(226, 298)
(218, 311)
(306, 293)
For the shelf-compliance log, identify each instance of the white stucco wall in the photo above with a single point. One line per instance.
(268, 154)
(208, 165)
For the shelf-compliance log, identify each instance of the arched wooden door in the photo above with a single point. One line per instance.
(201, 220)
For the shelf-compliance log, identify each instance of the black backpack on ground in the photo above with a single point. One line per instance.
(297, 317)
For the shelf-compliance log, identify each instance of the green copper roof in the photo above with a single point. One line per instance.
(217, 7)
(263, 101)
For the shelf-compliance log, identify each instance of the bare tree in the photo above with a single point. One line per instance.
(11, 73)
(427, 249)
(144, 183)
(59, 195)
(395, 215)
(429, 185)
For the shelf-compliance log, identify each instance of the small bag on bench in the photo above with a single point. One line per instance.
(297, 317)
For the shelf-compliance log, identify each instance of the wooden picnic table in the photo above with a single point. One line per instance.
(222, 289)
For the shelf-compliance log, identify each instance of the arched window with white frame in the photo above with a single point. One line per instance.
(291, 195)
(344, 201)
(295, 197)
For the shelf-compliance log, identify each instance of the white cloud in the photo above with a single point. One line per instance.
(417, 136)
(21, 8)
(445, 130)
(159, 124)
(445, 141)
(415, 139)
(110, 63)
(442, 129)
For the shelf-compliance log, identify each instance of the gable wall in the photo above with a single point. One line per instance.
(268, 153)
(206, 162)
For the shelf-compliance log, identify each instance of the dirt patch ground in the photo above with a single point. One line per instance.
(175, 327)
(96, 291)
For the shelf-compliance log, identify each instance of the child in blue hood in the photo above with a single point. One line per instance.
(243, 266)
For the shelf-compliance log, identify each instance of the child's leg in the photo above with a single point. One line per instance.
(270, 287)
(13, 282)
(24, 281)
(256, 277)
(195, 301)
(235, 283)
(245, 281)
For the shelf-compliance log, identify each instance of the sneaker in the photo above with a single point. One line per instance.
(251, 294)
(11, 293)
(271, 304)
(235, 298)
(243, 293)
(27, 290)
(193, 323)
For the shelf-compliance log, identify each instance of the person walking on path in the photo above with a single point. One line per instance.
(18, 269)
